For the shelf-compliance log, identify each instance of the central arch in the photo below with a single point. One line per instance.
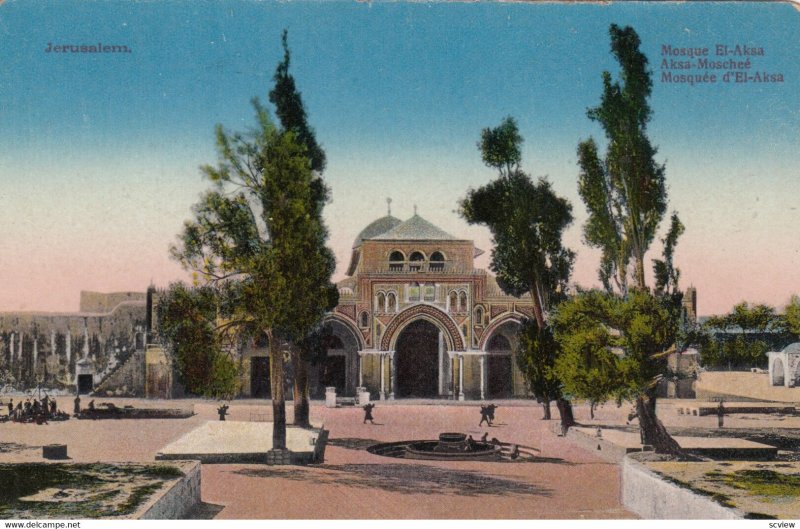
(455, 342)
(417, 360)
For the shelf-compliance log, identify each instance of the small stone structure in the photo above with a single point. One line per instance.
(784, 366)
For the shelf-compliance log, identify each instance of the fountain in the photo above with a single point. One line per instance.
(451, 446)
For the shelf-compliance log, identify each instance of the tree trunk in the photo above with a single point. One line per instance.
(301, 405)
(538, 310)
(278, 396)
(547, 414)
(565, 412)
(592, 405)
(640, 282)
(652, 430)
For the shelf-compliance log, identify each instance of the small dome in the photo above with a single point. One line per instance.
(792, 348)
(375, 228)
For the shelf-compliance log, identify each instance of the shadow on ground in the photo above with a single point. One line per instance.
(205, 511)
(352, 443)
(405, 479)
(6, 448)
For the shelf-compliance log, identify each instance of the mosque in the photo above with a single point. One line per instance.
(416, 319)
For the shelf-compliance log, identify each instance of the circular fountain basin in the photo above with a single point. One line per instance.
(451, 446)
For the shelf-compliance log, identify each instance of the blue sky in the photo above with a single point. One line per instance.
(101, 151)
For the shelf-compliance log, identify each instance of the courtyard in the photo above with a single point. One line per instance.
(564, 482)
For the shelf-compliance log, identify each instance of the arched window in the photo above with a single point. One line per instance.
(478, 316)
(453, 301)
(430, 292)
(416, 259)
(437, 262)
(413, 292)
(462, 302)
(380, 304)
(391, 302)
(364, 319)
(396, 259)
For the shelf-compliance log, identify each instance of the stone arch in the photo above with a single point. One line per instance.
(778, 373)
(455, 342)
(347, 324)
(496, 324)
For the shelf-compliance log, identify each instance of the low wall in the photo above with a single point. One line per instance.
(177, 501)
(652, 497)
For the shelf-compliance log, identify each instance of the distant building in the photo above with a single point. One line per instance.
(784, 366)
(69, 349)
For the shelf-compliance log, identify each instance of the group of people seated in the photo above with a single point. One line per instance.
(39, 411)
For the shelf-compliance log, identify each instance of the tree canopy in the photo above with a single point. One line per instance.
(624, 192)
(257, 240)
(527, 220)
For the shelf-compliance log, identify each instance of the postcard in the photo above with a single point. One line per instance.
(399, 260)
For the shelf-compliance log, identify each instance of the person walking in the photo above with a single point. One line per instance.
(368, 413)
(485, 416)
(720, 414)
(76, 410)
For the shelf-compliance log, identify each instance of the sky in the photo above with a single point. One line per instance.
(100, 151)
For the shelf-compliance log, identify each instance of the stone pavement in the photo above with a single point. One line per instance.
(565, 483)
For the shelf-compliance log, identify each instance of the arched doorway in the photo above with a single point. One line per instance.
(333, 372)
(778, 376)
(499, 378)
(417, 358)
(339, 369)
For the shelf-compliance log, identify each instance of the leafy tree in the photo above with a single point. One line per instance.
(256, 240)
(536, 357)
(527, 221)
(187, 323)
(293, 118)
(792, 316)
(625, 193)
(742, 337)
(617, 346)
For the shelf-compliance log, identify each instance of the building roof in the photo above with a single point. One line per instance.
(376, 227)
(414, 229)
(792, 348)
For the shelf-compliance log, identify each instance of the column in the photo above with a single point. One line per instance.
(53, 342)
(360, 369)
(85, 340)
(383, 379)
(11, 344)
(483, 376)
(393, 366)
(441, 363)
(35, 351)
(68, 339)
(460, 377)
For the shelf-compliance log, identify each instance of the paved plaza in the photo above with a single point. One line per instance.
(565, 482)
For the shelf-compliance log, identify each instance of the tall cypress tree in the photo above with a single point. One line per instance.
(292, 114)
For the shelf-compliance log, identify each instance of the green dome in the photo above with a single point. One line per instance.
(375, 228)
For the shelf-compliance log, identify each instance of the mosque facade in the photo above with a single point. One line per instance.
(416, 319)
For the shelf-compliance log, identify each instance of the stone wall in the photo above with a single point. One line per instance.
(652, 497)
(101, 302)
(42, 348)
